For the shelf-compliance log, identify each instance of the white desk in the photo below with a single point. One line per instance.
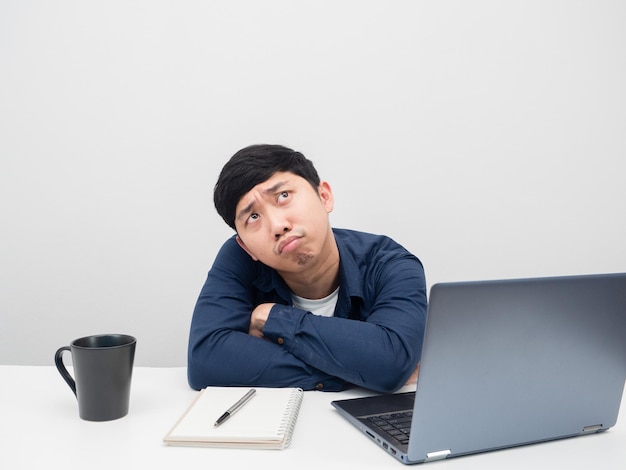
(40, 428)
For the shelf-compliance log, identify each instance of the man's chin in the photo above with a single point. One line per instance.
(304, 259)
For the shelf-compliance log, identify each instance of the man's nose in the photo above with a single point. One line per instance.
(278, 234)
(279, 223)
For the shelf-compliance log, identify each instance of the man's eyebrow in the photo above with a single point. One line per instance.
(274, 188)
(245, 210)
(271, 190)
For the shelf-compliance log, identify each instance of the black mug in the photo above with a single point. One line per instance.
(103, 367)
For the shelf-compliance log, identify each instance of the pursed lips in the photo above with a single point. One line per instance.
(286, 241)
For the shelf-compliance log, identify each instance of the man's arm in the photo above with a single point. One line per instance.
(302, 349)
(379, 353)
(257, 323)
(221, 352)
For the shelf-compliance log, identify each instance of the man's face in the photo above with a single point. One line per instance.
(283, 222)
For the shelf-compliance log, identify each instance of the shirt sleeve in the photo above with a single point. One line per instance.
(379, 353)
(222, 353)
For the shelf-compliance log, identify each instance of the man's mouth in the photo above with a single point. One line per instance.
(288, 244)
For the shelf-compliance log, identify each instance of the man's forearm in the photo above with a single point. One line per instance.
(362, 353)
(235, 358)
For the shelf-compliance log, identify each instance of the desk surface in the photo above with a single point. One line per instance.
(41, 429)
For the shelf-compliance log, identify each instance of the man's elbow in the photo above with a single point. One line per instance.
(200, 371)
(195, 377)
(392, 379)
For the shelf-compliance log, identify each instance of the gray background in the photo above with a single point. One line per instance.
(487, 137)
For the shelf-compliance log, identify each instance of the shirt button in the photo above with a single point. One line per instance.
(280, 341)
(319, 386)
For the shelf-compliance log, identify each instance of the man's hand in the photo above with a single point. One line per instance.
(258, 317)
(413, 379)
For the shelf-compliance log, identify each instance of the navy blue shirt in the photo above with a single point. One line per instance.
(374, 339)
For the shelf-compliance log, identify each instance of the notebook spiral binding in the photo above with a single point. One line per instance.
(291, 416)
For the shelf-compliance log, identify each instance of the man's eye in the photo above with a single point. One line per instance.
(283, 195)
(254, 216)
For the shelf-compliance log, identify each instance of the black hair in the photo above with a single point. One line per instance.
(253, 165)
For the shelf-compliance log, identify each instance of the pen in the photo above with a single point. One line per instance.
(233, 409)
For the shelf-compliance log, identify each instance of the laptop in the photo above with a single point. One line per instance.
(506, 363)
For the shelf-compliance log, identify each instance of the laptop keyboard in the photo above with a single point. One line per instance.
(397, 425)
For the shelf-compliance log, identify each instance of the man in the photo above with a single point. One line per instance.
(292, 302)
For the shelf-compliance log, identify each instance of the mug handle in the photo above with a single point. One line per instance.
(58, 361)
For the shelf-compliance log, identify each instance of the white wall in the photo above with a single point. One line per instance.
(488, 137)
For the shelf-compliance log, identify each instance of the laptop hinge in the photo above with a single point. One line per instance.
(592, 429)
(439, 455)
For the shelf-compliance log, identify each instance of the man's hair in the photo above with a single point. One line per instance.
(253, 165)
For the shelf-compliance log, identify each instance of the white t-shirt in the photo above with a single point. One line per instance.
(324, 307)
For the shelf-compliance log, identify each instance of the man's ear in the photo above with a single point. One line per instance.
(325, 193)
(245, 248)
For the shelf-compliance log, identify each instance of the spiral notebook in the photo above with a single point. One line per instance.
(267, 421)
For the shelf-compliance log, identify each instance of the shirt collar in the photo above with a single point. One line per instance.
(349, 277)
(349, 273)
